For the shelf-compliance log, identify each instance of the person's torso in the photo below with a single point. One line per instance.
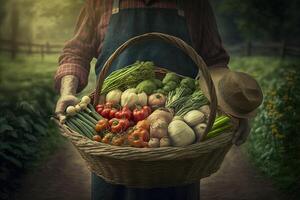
(106, 13)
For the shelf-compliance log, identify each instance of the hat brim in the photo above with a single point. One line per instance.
(217, 73)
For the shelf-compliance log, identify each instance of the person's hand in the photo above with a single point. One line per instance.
(68, 89)
(63, 102)
(242, 132)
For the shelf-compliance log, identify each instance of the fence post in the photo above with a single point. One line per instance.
(29, 48)
(248, 48)
(283, 49)
(42, 52)
(47, 45)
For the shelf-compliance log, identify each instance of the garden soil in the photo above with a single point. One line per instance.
(64, 176)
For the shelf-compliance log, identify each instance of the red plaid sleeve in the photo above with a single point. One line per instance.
(77, 53)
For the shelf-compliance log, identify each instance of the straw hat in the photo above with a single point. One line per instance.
(238, 93)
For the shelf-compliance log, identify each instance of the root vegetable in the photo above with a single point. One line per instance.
(86, 99)
(159, 129)
(83, 106)
(205, 110)
(71, 110)
(162, 114)
(199, 131)
(77, 108)
(157, 100)
(153, 143)
(165, 142)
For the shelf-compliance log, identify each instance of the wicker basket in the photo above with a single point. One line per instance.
(158, 167)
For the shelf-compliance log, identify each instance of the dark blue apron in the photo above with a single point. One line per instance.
(125, 24)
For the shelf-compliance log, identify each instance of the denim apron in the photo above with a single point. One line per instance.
(125, 24)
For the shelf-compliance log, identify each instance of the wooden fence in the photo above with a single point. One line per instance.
(17, 47)
(281, 49)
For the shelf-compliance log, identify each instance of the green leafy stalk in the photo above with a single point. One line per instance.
(217, 131)
(221, 121)
(129, 76)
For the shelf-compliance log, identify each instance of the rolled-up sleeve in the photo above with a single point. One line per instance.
(78, 52)
(205, 36)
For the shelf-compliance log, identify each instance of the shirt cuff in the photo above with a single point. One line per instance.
(71, 69)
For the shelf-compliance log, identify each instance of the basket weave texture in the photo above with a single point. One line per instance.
(154, 167)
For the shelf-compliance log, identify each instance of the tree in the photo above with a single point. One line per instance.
(263, 19)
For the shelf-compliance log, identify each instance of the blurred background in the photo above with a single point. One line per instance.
(262, 37)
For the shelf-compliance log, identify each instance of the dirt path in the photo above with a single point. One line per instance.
(65, 177)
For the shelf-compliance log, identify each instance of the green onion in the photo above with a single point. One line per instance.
(85, 120)
(73, 127)
(89, 118)
(85, 128)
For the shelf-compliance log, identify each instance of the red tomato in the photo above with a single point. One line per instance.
(105, 112)
(112, 113)
(99, 108)
(124, 113)
(141, 114)
(97, 138)
(117, 127)
(148, 109)
(125, 123)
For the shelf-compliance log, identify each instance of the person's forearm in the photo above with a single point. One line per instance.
(69, 85)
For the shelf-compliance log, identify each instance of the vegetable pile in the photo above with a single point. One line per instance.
(139, 110)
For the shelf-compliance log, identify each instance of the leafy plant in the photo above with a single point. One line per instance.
(274, 142)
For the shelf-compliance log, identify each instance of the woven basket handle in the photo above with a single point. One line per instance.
(181, 45)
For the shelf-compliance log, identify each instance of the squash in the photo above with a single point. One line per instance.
(180, 133)
(194, 117)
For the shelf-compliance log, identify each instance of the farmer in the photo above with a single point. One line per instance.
(103, 25)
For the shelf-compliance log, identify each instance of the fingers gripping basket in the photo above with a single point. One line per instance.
(155, 167)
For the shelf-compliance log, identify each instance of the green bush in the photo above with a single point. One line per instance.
(274, 144)
(26, 134)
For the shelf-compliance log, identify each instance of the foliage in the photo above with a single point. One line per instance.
(256, 19)
(274, 142)
(41, 20)
(26, 133)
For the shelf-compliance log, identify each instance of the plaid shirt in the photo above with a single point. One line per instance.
(90, 32)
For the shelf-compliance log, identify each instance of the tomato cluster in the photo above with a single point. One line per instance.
(116, 121)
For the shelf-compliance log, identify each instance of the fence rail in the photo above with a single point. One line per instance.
(17, 47)
(281, 49)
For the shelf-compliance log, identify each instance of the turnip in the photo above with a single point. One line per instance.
(165, 142)
(153, 143)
